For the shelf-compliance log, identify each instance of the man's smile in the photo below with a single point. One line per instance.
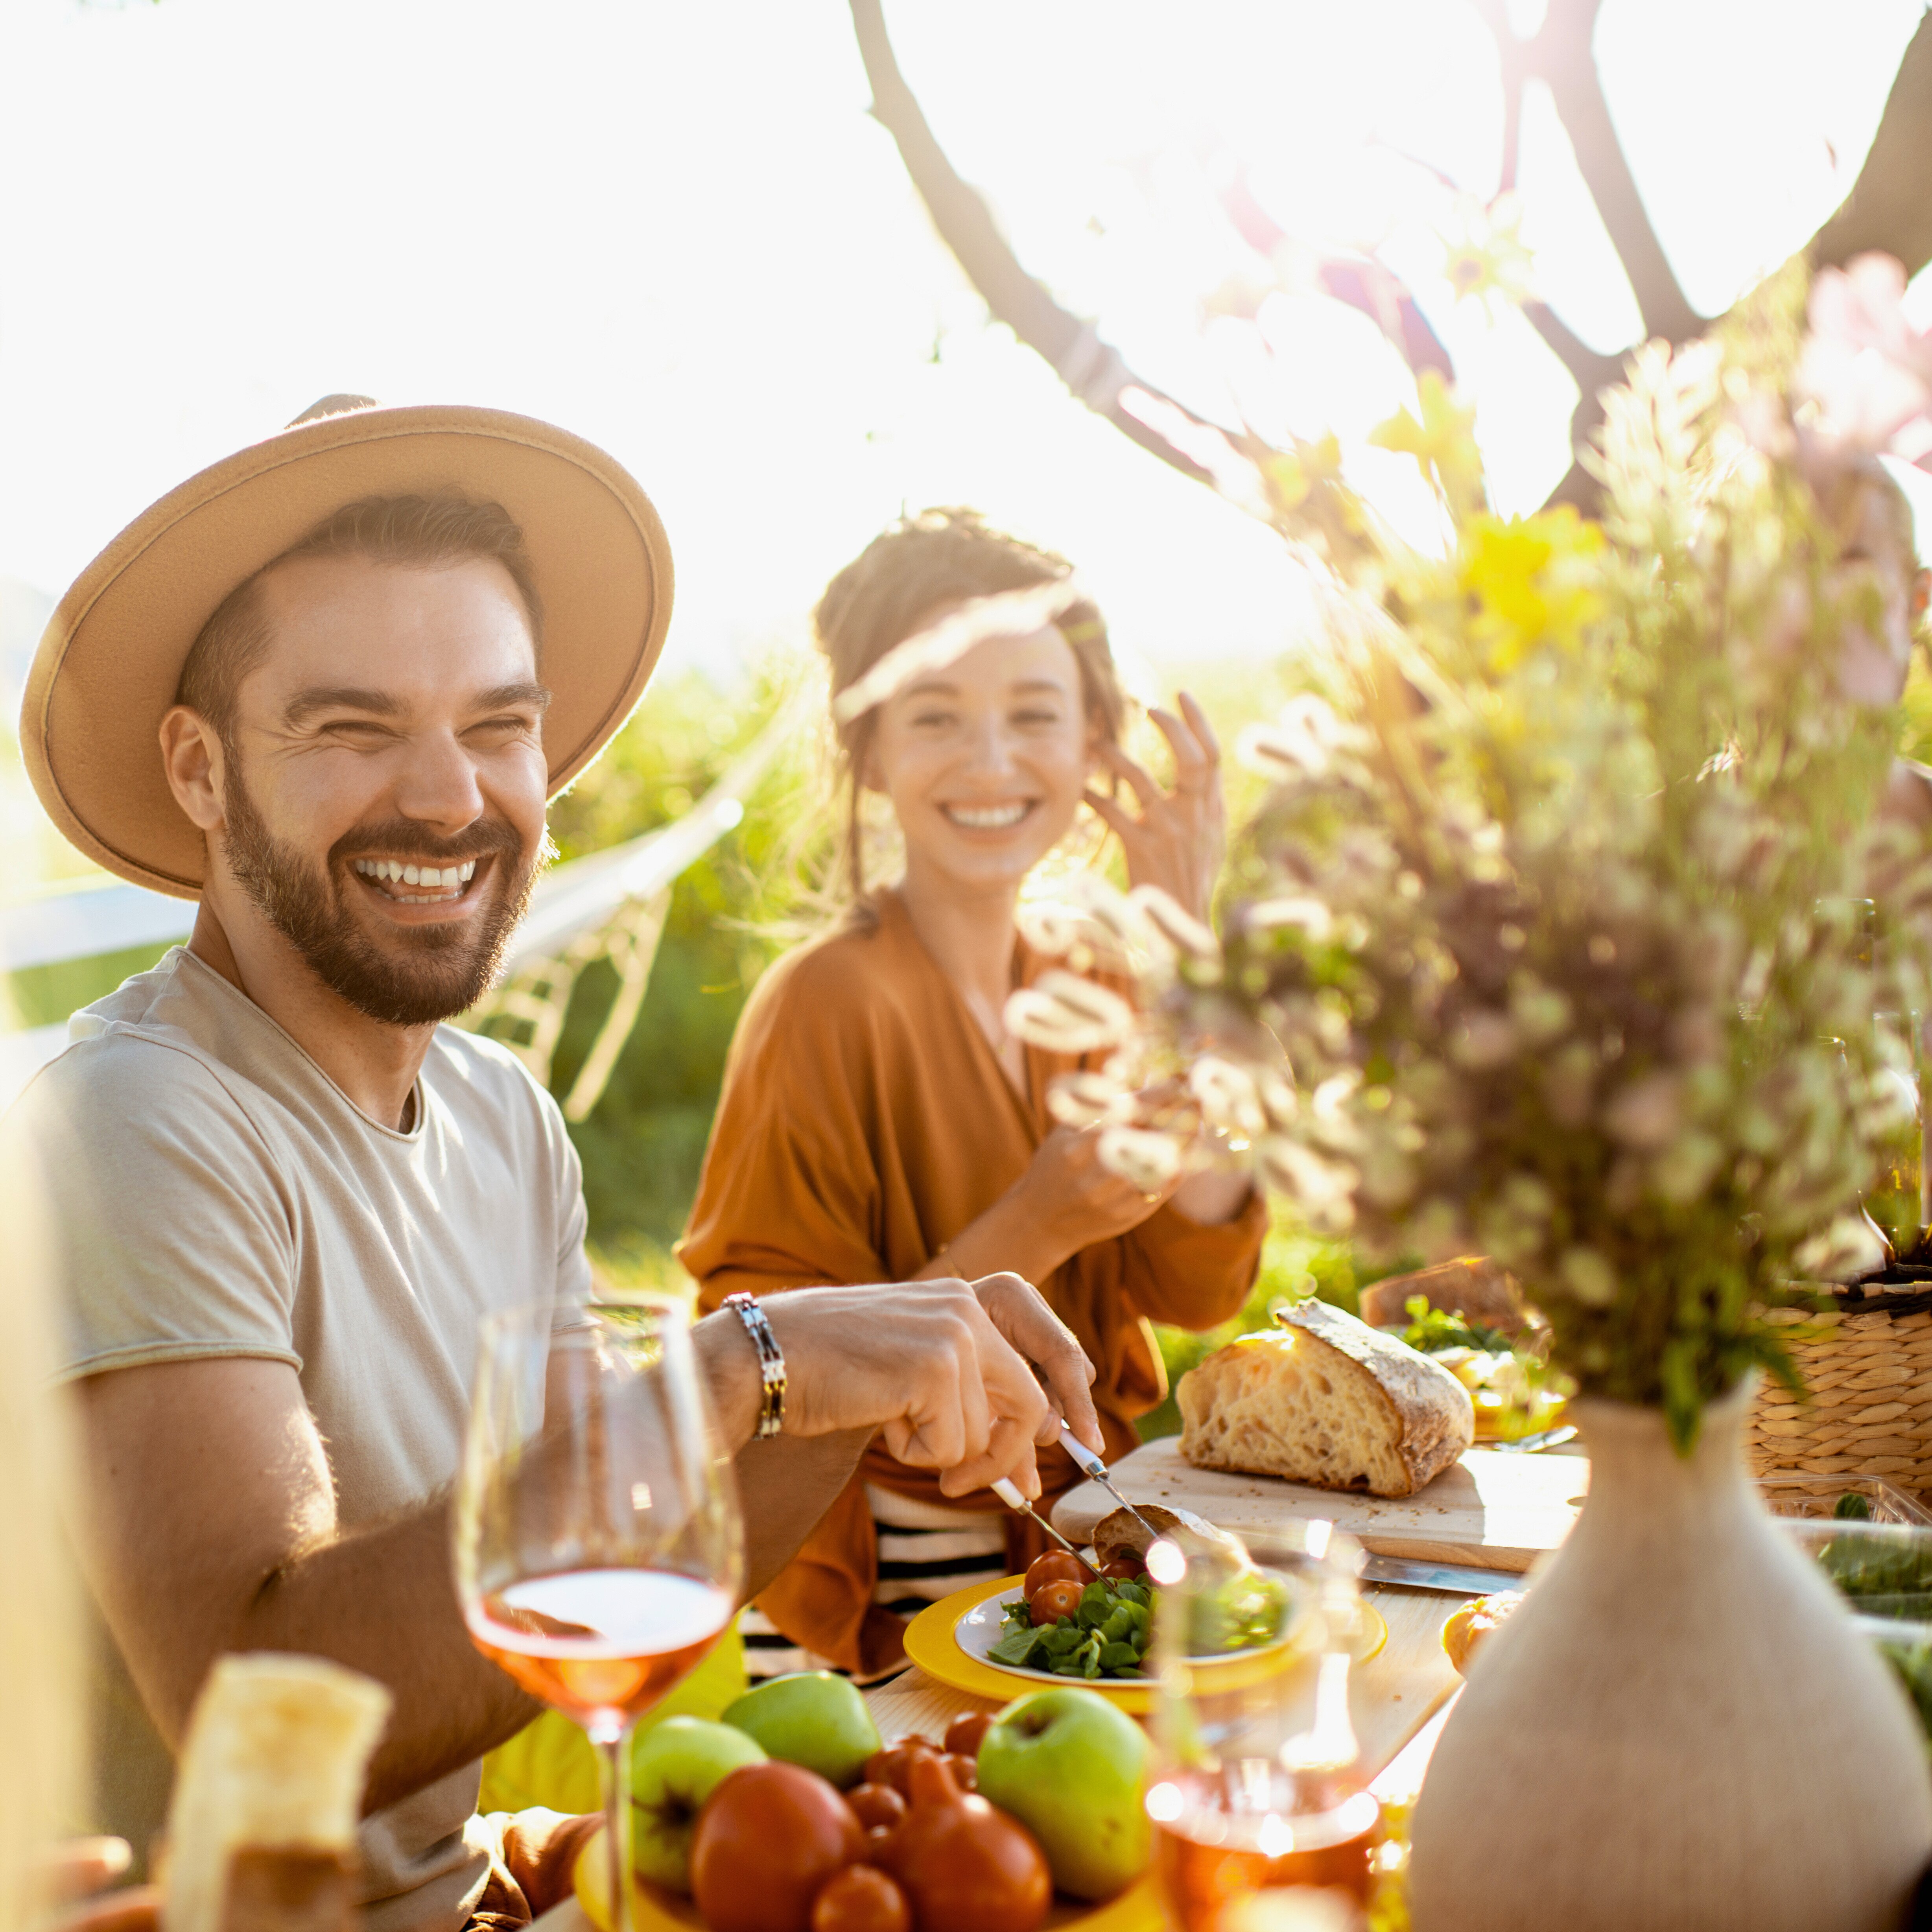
(407, 883)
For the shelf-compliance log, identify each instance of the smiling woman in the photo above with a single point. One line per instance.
(878, 1122)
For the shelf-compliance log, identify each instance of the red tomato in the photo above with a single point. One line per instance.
(860, 1899)
(1057, 1566)
(876, 1804)
(1052, 1601)
(1124, 1569)
(966, 1732)
(769, 1837)
(889, 1766)
(965, 1867)
(965, 1770)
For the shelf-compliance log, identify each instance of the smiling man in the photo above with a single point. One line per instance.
(328, 687)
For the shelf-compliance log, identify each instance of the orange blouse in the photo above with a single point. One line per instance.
(865, 1121)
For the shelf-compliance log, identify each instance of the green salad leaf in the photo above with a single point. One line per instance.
(1105, 1636)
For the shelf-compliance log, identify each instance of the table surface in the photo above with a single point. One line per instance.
(1398, 1699)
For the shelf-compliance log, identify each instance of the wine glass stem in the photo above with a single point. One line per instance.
(613, 1755)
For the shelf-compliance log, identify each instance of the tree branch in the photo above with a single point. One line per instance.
(1509, 57)
(1562, 56)
(1890, 206)
(1090, 368)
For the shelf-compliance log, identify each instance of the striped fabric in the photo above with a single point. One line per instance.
(924, 1553)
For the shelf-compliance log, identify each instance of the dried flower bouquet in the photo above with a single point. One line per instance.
(1549, 941)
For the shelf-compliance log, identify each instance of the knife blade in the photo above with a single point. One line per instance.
(1546, 1438)
(1454, 1580)
(1097, 1468)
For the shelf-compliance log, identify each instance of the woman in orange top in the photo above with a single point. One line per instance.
(879, 1124)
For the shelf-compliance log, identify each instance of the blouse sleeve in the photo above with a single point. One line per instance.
(789, 1194)
(1190, 1274)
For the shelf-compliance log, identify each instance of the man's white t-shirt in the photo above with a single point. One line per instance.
(212, 1191)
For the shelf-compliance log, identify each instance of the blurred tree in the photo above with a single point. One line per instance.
(1889, 208)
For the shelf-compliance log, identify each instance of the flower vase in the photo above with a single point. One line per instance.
(1680, 1727)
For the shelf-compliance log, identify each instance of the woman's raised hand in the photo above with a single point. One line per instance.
(1178, 840)
(1070, 1192)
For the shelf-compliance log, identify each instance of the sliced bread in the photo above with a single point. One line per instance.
(1328, 1400)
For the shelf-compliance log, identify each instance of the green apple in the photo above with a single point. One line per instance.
(1069, 1765)
(812, 1718)
(673, 1766)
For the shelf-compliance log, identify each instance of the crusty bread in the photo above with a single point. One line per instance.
(261, 1829)
(1122, 1535)
(1327, 1400)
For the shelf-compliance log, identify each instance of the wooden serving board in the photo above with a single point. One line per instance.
(1495, 1509)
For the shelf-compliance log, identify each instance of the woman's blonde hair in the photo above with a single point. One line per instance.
(899, 581)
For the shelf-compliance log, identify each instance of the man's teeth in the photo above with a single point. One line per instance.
(986, 817)
(445, 880)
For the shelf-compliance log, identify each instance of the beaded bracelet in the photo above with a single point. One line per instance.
(771, 1361)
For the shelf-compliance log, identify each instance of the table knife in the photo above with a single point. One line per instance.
(1455, 1579)
(1008, 1493)
(1096, 1468)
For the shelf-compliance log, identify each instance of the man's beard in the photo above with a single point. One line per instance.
(444, 969)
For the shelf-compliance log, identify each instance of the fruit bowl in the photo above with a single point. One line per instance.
(948, 1641)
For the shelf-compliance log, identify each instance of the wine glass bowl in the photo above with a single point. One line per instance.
(1256, 1784)
(599, 1550)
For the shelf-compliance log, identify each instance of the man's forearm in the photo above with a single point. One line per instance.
(351, 1600)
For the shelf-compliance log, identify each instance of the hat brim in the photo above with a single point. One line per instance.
(108, 666)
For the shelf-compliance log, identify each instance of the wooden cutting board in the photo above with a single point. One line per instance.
(1499, 1510)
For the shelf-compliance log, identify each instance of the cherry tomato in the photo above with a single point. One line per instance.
(967, 1732)
(877, 1849)
(876, 1804)
(860, 1899)
(1052, 1601)
(889, 1766)
(1057, 1566)
(1124, 1569)
(768, 1837)
(965, 1770)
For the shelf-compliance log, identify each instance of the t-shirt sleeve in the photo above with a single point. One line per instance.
(168, 1230)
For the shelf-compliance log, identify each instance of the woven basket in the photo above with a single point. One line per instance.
(1867, 1362)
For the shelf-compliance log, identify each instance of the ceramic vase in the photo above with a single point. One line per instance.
(1680, 1728)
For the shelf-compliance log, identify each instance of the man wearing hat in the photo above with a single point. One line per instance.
(327, 687)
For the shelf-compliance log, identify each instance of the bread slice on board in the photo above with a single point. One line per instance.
(1325, 1399)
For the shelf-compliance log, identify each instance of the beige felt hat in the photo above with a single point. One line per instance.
(107, 667)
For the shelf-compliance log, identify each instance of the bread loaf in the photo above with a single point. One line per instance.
(261, 1829)
(1327, 1400)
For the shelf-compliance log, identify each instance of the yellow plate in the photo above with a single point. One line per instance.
(1137, 1909)
(931, 1643)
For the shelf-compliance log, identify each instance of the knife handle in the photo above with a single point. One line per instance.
(1008, 1493)
(1094, 1465)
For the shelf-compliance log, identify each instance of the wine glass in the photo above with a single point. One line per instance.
(1256, 1786)
(599, 1548)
